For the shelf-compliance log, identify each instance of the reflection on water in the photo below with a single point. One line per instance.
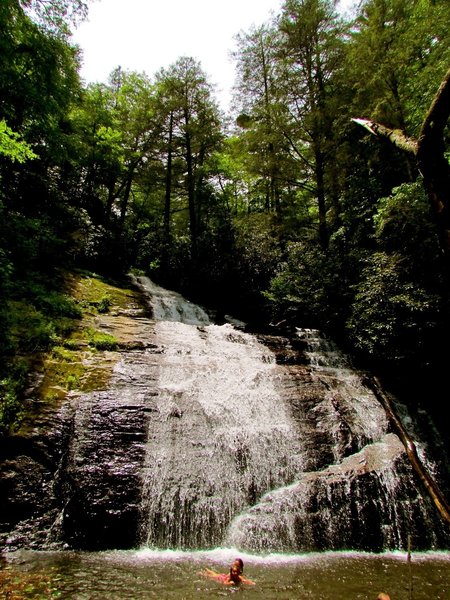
(168, 574)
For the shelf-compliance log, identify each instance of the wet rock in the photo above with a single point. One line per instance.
(370, 501)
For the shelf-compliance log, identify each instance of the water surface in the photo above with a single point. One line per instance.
(170, 574)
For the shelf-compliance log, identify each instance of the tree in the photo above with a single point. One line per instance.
(256, 96)
(397, 55)
(194, 132)
(55, 16)
(312, 46)
(398, 51)
(39, 85)
(12, 147)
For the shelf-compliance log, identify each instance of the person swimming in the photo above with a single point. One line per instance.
(233, 577)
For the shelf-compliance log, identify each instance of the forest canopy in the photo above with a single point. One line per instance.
(284, 210)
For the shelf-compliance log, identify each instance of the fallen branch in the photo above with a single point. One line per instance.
(431, 486)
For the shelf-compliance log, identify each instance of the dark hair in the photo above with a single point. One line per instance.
(240, 563)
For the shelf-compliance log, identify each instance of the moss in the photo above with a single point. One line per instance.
(65, 347)
(60, 375)
(101, 341)
(62, 353)
(96, 294)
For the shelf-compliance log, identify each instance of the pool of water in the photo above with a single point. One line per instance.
(137, 574)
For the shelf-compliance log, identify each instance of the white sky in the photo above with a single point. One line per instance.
(145, 35)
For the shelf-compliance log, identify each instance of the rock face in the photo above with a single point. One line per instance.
(205, 435)
(99, 484)
(72, 474)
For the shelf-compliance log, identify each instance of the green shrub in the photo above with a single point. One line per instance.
(57, 304)
(11, 388)
(104, 304)
(305, 289)
(71, 344)
(72, 382)
(62, 353)
(31, 330)
(392, 316)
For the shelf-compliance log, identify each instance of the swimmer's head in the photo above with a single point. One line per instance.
(239, 563)
(235, 573)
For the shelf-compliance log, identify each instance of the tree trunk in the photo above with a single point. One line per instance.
(320, 171)
(191, 191)
(168, 191)
(126, 197)
(427, 480)
(432, 162)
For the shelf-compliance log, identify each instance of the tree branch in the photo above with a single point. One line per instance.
(427, 480)
(395, 136)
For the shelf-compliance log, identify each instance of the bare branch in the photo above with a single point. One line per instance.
(426, 478)
(429, 151)
(395, 136)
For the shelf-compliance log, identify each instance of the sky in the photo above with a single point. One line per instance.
(145, 35)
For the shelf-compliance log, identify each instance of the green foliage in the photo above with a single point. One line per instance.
(257, 247)
(399, 53)
(398, 306)
(297, 200)
(56, 304)
(12, 147)
(391, 315)
(62, 353)
(30, 330)
(104, 304)
(32, 324)
(56, 16)
(71, 344)
(304, 290)
(11, 389)
(403, 225)
(101, 341)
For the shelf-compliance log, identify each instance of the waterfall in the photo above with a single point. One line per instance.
(246, 451)
(222, 437)
(364, 499)
(170, 306)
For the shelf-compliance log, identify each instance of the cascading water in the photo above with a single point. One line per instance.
(263, 456)
(222, 436)
(366, 498)
(203, 437)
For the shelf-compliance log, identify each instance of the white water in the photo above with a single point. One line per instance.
(234, 436)
(171, 306)
(222, 438)
(345, 391)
